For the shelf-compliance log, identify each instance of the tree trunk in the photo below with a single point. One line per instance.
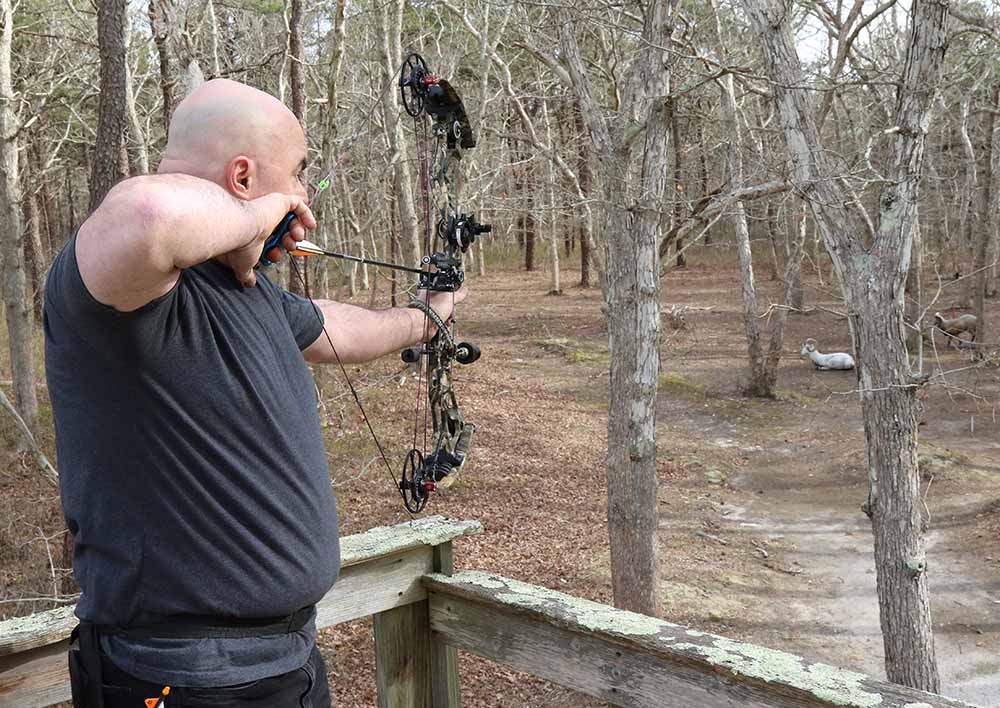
(553, 221)
(525, 190)
(17, 305)
(586, 178)
(163, 20)
(297, 80)
(760, 384)
(873, 278)
(328, 231)
(986, 222)
(392, 22)
(107, 169)
(704, 175)
(799, 223)
(678, 183)
(35, 255)
(632, 232)
(529, 224)
(777, 244)
(138, 154)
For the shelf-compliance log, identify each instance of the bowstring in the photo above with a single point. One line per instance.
(322, 186)
(350, 385)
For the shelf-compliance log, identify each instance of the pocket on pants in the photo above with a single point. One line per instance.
(317, 695)
(305, 700)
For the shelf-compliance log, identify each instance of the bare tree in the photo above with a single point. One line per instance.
(107, 164)
(632, 294)
(986, 235)
(17, 303)
(873, 276)
(163, 20)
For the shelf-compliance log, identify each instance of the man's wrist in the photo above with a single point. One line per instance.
(418, 324)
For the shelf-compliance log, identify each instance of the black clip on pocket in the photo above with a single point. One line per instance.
(85, 667)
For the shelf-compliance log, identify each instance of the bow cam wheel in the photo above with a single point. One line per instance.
(411, 84)
(411, 482)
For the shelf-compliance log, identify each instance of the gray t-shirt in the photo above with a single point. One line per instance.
(193, 473)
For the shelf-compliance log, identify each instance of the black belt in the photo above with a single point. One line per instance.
(208, 627)
(85, 648)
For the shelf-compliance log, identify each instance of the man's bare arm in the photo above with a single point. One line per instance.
(133, 247)
(362, 335)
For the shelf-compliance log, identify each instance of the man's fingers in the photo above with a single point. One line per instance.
(304, 213)
(297, 232)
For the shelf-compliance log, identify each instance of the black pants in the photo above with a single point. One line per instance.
(304, 687)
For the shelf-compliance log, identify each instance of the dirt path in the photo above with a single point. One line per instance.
(811, 586)
(786, 481)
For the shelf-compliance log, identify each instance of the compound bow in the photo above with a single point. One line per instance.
(423, 93)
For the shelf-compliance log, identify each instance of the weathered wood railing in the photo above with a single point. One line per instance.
(423, 612)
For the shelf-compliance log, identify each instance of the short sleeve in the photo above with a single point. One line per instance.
(304, 317)
(68, 300)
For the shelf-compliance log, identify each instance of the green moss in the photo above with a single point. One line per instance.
(674, 382)
(588, 358)
(787, 394)
(574, 351)
(931, 458)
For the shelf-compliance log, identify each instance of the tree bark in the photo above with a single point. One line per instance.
(107, 168)
(328, 232)
(678, 183)
(762, 380)
(553, 221)
(586, 178)
(138, 154)
(632, 296)
(392, 23)
(760, 384)
(163, 20)
(873, 278)
(17, 304)
(987, 221)
(297, 81)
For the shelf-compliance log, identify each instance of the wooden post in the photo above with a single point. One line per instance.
(412, 668)
(444, 659)
(402, 657)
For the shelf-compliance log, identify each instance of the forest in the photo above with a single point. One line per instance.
(735, 310)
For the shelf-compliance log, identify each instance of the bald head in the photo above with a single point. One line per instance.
(222, 121)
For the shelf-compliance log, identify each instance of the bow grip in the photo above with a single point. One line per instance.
(274, 239)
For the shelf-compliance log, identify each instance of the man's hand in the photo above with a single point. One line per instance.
(268, 211)
(443, 304)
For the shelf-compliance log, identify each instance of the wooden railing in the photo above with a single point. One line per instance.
(423, 612)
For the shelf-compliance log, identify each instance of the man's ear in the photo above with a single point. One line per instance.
(241, 172)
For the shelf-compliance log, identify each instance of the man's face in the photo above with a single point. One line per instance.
(283, 167)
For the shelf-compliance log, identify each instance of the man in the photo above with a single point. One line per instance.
(193, 471)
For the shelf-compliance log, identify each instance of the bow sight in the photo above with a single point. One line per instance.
(458, 233)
